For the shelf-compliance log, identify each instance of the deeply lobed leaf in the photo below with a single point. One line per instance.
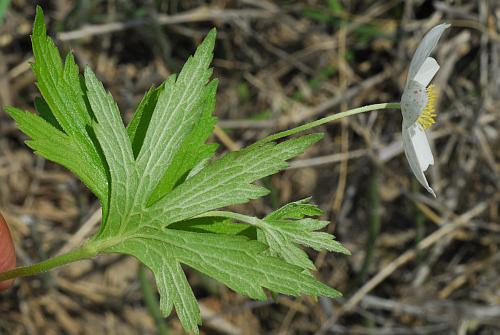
(155, 176)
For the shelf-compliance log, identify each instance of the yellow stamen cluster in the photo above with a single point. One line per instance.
(427, 118)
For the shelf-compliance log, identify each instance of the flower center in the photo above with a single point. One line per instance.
(426, 119)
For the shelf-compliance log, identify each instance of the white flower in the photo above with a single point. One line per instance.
(418, 105)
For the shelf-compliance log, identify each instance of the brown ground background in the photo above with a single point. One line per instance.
(419, 265)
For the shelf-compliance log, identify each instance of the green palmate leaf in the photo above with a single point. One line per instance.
(156, 184)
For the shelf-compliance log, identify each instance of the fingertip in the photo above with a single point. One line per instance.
(7, 253)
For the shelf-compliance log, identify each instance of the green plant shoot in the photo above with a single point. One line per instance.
(161, 188)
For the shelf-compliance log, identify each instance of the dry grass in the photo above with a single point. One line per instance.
(419, 265)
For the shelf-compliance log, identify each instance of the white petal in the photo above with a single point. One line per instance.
(413, 102)
(418, 153)
(427, 71)
(421, 145)
(425, 48)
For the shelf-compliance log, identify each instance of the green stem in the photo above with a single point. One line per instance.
(84, 252)
(330, 118)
